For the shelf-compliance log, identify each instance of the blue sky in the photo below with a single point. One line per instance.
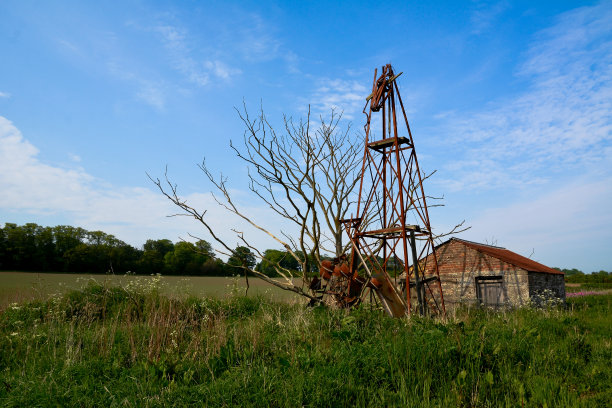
(509, 101)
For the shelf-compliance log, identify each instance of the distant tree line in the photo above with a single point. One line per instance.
(577, 276)
(64, 248)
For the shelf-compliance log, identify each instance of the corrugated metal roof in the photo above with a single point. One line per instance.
(508, 256)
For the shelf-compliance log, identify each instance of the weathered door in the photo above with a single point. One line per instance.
(489, 290)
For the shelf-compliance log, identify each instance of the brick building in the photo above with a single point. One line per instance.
(473, 273)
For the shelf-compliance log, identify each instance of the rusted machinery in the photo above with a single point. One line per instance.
(391, 235)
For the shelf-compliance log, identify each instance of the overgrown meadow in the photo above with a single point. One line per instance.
(133, 346)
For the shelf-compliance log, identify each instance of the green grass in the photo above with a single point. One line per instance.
(134, 346)
(25, 286)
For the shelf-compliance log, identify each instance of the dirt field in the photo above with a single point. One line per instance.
(19, 286)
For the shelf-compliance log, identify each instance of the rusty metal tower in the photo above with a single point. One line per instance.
(391, 235)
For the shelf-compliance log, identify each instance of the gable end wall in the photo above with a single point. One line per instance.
(460, 265)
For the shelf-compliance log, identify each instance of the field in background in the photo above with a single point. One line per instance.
(24, 286)
(579, 287)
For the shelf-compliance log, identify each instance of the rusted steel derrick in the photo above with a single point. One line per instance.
(391, 235)
(339, 285)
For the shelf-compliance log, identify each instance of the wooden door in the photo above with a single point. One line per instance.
(489, 290)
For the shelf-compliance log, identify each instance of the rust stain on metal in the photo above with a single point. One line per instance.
(392, 230)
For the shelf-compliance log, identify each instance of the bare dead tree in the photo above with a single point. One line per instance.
(306, 176)
(170, 190)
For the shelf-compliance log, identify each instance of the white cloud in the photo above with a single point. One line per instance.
(541, 161)
(221, 70)
(580, 33)
(32, 188)
(562, 123)
(28, 183)
(5, 95)
(196, 70)
(339, 94)
(150, 84)
(567, 227)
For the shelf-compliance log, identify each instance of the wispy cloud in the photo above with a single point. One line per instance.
(174, 41)
(151, 95)
(542, 160)
(484, 15)
(149, 80)
(292, 60)
(557, 225)
(196, 70)
(561, 123)
(74, 157)
(95, 51)
(581, 33)
(148, 91)
(5, 95)
(257, 41)
(343, 95)
(222, 70)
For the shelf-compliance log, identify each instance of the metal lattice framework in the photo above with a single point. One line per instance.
(391, 235)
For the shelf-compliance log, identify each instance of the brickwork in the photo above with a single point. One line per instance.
(460, 263)
(459, 266)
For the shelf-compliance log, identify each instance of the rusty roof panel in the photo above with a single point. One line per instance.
(508, 256)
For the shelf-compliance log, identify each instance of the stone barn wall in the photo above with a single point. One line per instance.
(546, 285)
(460, 265)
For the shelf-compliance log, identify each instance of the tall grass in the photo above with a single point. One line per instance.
(132, 346)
